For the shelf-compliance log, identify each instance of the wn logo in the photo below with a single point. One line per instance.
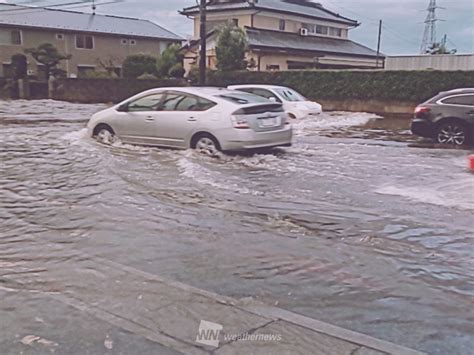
(209, 333)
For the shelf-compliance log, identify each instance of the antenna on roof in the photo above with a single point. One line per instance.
(94, 7)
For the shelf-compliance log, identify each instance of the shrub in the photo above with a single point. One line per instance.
(412, 86)
(176, 71)
(230, 48)
(168, 60)
(139, 64)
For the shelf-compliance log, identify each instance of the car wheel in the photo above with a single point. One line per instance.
(207, 144)
(452, 132)
(104, 134)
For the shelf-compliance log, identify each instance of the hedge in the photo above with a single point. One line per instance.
(412, 86)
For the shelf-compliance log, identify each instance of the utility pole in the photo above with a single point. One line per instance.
(378, 44)
(203, 35)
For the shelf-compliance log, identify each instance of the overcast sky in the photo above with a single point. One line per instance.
(403, 19)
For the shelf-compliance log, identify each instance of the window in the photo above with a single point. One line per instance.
(282, 25)
(337, 32)
(242, 98)
(261, 92)
(322, 30)
(274, 67)
(290, 95)
(84, 71)
(235, 22)
(10, 37)
(464, 100)
(147, 103)
(84, 42)
(59, 36)
(16, 37)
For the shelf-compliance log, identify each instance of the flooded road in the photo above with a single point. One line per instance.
(358, 224)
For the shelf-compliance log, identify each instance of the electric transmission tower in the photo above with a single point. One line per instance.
(429, 35)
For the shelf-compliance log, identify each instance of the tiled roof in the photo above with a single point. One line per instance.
(36, 17)
(261, 39)
(296, 7)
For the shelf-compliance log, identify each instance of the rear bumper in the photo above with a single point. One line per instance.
(422, 128)
(243, 139)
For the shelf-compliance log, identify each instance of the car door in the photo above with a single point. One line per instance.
(136, 122)
(460, 106)
(178, 116)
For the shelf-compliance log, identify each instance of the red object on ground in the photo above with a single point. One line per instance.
(471, 162)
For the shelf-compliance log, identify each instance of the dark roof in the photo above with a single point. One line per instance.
(38, 17)
(268, 39)
(295, 7)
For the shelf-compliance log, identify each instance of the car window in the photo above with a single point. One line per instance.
(242, 98)
(290, 95)
(459, 100)
(261, 92)
(185, 102)
(147, 103)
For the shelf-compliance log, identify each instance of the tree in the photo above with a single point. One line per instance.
(230, 48)
(139, 64)
(19, 66)
(170, 62)
(49, 56)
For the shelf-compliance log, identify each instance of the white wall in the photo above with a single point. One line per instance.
(437, 62)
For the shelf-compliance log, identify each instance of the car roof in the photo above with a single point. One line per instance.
(260, 86)
(458, 91)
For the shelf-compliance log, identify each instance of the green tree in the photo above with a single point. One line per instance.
(139, 64)
(230, 48)
(49, 56)
(170, 62)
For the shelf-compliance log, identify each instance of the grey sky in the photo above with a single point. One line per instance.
(403, 19)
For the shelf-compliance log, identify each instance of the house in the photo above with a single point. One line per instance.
(95, 42)
(284, 35)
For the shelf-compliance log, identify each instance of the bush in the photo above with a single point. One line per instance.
(139, 64)
(230, 48)
(147, 76)
(412, 86)
(168, 60)
(176, 71)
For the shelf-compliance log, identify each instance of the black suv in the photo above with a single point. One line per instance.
(448, 117)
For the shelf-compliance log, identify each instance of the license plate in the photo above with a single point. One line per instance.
(268, 122)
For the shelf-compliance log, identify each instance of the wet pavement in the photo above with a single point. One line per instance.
(359, 224)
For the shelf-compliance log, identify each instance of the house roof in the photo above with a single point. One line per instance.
(38, 17)
(305, 8)
(288, 41)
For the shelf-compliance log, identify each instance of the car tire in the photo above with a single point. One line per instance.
(206, 143)
(452, 132)
(104, 134)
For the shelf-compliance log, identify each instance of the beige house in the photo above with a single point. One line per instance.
(95, 42)
(284, 35)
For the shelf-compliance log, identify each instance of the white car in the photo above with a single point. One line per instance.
(296, 105)
(202, 118)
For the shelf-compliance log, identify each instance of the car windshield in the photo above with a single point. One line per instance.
(242, 98)
(290, 95)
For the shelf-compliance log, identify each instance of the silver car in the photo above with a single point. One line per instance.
(203, 118)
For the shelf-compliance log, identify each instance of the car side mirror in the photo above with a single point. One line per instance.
(123, 108)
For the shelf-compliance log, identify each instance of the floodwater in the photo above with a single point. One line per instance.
(359, 224)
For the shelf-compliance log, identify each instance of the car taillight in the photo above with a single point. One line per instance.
(421, 111)
(239, 122)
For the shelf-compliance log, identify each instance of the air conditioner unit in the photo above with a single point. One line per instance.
(304, 32)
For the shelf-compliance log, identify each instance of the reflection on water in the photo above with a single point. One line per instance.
(350, 225)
